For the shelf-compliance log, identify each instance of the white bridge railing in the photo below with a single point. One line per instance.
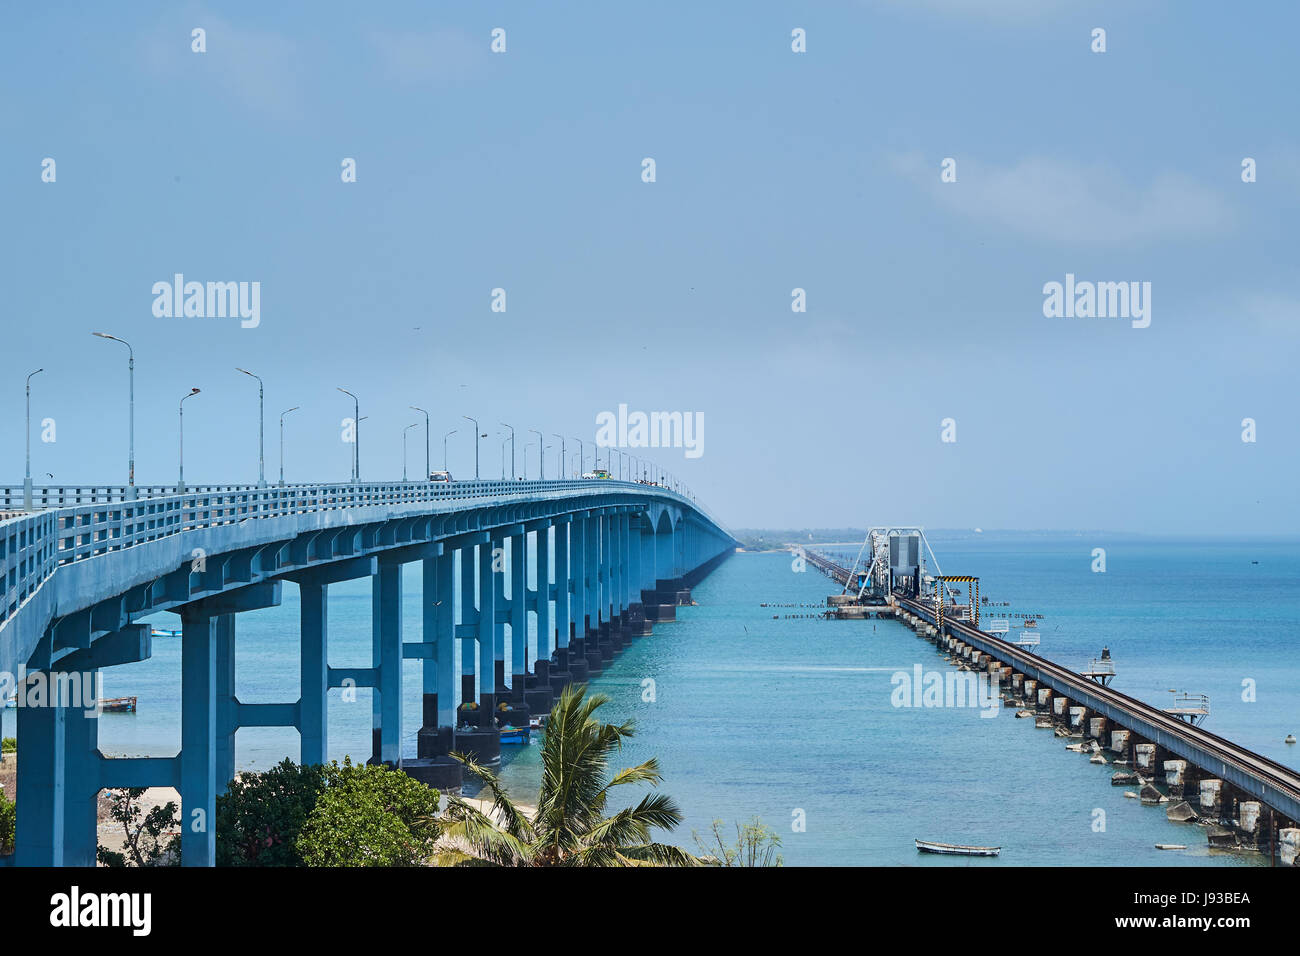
(74, 523)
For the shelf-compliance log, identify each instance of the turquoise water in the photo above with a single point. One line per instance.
(791, 719)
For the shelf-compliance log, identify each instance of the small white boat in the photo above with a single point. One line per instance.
(955, 849)
(1171, 846)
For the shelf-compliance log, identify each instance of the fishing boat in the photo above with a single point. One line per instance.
(164, 632)
(954, 849)
(514, 735)
(117, 705)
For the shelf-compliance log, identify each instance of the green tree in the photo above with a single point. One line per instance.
(9, 745)
(260, 815)
(570, 827)
(151, 838)
(8, 821)
(756, 845)
(369, 815)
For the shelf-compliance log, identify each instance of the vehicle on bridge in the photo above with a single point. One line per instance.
(440, 476)
(596, 473)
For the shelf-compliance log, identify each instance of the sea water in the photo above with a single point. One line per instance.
(757, 711)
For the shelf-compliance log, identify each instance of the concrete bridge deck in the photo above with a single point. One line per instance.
(608, 558)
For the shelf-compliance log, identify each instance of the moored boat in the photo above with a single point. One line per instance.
(117, 705)
(514, 735)
(956, 849)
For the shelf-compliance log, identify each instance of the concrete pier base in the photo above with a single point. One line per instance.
(434, 742)
(441, 773)
(1175, 776)
(1211, 797)
(483, 745)
(1288, 846)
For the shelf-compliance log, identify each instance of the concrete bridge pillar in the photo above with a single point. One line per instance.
(563, 586)
(42, 786)
(578, 584)
(227, 716)
(491, 635)
(198, 756)
(544, 593)
(314, 678)
(1120, 740)
(468, 630)
(518, 615)
(386, 639)
(1211, 796)
(1146, 758)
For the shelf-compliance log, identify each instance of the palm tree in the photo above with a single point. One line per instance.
(569, 827)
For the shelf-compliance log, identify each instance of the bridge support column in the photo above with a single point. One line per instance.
(538, 693)
(41, 786)
(386, 606)
(227, 717)
(313, 618)
(492, 634)
(198, 736)
(563, 588)
(518, 615)
(469, 635)
(436, 737)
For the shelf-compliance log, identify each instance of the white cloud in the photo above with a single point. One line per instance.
(260, 68)
(1062, 199)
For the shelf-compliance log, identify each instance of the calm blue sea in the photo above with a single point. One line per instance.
(758, 714)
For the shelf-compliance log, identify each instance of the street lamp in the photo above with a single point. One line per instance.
(582, 454)
(564, 460)
(27, 481)
(512, 449)
(476, 438)
(417, 408)
(261, 428)
(503, 458)
(282, 414)
(444, 447)
(180, 477)
(130, 473)
(404, 431)
(541, 456)
(356, 434)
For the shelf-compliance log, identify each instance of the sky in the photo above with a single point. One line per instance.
(774, 170)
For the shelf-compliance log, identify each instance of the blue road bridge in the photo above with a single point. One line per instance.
(608, 558)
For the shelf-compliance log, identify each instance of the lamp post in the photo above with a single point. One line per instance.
(503, 458)
(261, 428)
(476, 438)
(541, 455)
(356, 434)
(130, 365)
(582, 454)
(282, 414)
(444, 447)
(27, 481)
(564, 459)
(180, 477)
(404, 431)
(417, 408)
(512, 449)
